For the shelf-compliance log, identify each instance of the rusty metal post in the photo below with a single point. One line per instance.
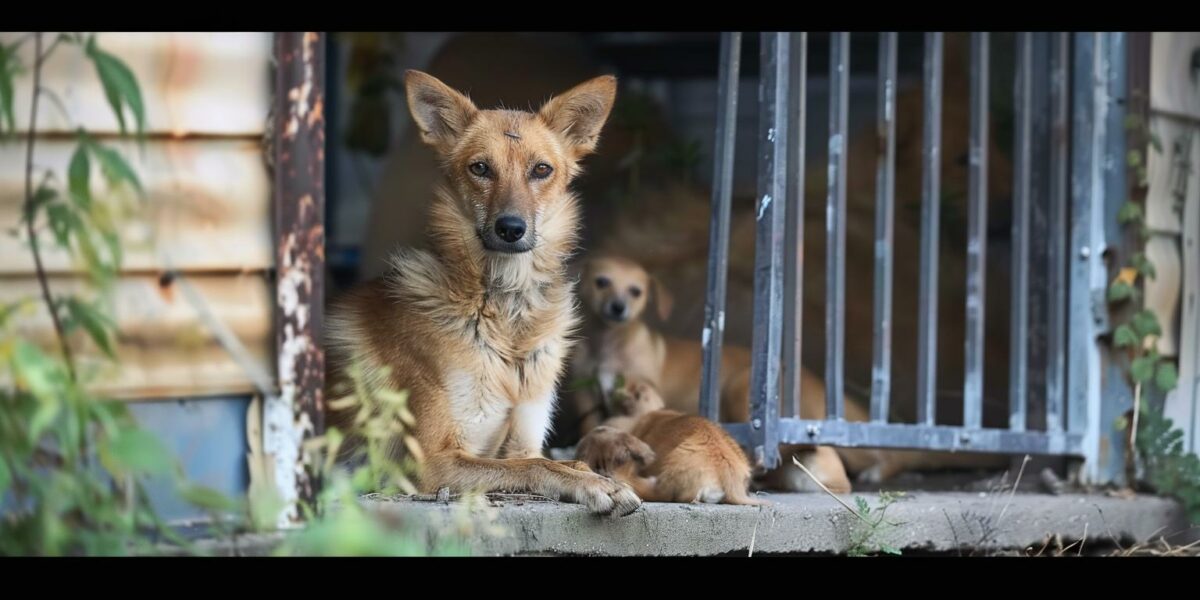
(297, 413)
(767, 336)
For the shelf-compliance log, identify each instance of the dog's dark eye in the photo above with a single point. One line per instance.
(479, 169)
(542, 171)
(602, 282)
(635, 292)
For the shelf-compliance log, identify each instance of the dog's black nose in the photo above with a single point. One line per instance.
(510, 229)
(617, 308)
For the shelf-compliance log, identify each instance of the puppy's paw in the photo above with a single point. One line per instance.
(636, 398)
(578, 465)
(605, 449)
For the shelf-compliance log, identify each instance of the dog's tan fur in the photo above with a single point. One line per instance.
(478, 336)
(665, 455)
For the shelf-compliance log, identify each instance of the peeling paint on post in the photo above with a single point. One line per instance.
(297, 413)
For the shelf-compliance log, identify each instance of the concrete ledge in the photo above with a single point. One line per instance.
(804, 523)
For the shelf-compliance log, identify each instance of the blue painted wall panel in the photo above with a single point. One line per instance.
(208, 436)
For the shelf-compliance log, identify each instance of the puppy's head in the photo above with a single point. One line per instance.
(509, 168)
(605, 449)
(617, 290)
(637, 398)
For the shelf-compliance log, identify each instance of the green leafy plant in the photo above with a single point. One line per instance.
(872, 526)
(868, 535)
(1154, 442)
(353, 463)
(1139, 335)
(72, 463)
(338, 525)
(1170, 469)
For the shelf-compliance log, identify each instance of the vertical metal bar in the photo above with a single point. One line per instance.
(930, 221)
(718, 243)
(885, 197)
(1116, 397)
(768, 257)
(794, 236)
(1086, 315)
(298, 412)
(1019, 361)
(1038, 234)
(835, 225)
(1058, 256)
(977, 212)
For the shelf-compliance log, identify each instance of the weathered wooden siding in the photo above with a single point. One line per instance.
(1173, 215)
(166, 348)
(206, 213)
(207, 206)
(193, 83)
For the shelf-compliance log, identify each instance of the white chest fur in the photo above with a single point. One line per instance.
(481, 413)
(491, 421)
(501, 395)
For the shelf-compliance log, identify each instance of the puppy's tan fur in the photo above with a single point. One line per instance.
(665, 455)
(479, 337)
(630, 348)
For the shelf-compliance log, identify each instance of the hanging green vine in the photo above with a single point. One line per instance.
(72, 464)
(1155, 444)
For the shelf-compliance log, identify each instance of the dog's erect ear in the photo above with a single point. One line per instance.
(663, 300)
(441, 112)
(580, 113)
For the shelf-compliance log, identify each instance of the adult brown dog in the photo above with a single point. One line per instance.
(477, 327)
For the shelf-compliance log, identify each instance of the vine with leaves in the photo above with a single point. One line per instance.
(1155, 443)
(72, 463)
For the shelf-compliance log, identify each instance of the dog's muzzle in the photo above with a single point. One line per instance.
(507, 234)
(616, 310)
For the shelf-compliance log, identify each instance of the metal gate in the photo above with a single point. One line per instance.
(1085, 167)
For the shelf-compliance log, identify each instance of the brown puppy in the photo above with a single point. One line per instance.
(477, 328)
(665, 455)
(615, 293)
(620, 343)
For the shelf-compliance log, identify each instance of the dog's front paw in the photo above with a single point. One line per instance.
(625, 501)
(604, 496)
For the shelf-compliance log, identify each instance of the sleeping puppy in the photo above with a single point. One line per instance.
(665, 455)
